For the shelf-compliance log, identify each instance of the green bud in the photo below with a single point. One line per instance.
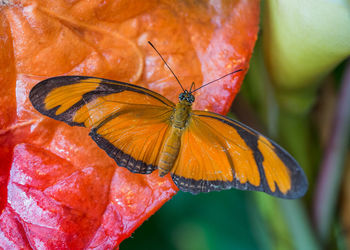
(303, 41)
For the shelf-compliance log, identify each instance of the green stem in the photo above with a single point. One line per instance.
(332, 167)
(298, 224)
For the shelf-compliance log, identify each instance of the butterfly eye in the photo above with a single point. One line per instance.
(181, 96)
(191, 99)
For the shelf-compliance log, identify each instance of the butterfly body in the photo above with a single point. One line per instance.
(179, 121)
(143, 131)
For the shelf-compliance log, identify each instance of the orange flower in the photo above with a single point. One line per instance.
(58, 189)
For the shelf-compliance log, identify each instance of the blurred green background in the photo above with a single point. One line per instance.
(297, 91)
(205, 221)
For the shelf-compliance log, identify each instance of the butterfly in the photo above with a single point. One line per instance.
(144, 131)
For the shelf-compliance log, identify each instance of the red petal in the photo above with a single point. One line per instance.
(58, 189)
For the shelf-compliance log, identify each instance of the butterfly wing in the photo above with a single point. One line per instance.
(127, 121)
(219, 153)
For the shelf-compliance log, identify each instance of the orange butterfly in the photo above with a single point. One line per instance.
(143, 131)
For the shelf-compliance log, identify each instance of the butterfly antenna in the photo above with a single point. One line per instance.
(166, 65)
(192, 86)
(217, 80)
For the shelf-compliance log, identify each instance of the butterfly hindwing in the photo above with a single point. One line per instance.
(220, 153)
(127, 121)
(134, 138)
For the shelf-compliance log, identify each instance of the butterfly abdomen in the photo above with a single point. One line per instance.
(172, 143)
(169, 151)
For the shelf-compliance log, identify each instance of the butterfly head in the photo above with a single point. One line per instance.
(186, 96)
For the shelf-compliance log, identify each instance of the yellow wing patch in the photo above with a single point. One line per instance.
(67, 96)
(275, 170)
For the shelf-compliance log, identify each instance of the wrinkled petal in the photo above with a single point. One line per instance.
(58, 188)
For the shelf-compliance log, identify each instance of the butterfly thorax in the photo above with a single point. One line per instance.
(179, 121)
(181, 114)
(182, 110)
